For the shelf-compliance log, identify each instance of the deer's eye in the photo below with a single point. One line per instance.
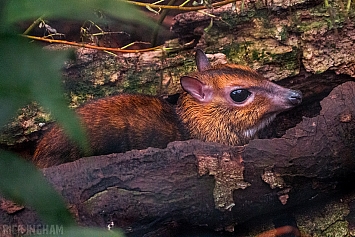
(240, 95)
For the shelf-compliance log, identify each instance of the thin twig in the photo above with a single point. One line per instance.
(180, 7)
(119, 50)
(348, 5)
(36, 22)
(160, 22)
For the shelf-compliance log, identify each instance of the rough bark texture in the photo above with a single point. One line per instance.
(280, 39)
(155, 191)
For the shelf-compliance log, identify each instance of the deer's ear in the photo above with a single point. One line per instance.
(202, 61)
(196, 89)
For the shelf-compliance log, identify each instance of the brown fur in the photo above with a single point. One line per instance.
(219, 121)
(125, 122)
(115, 124)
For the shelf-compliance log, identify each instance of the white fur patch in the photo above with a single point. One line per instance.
(250, 133)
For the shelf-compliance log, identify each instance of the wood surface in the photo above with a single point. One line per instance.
(156, 192)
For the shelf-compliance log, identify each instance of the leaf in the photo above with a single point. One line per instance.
(21, 182)
(29, 73)
(20, 10)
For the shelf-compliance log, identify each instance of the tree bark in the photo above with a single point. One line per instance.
(155, 191)
(297, 43)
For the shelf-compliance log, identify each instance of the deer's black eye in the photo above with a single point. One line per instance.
(240, 95)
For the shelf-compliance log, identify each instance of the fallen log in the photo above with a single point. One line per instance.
(156, 192)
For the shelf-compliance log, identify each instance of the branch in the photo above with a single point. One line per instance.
(181, 8)
(119, 50)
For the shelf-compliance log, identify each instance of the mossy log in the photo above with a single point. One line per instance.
(156, 192)
(282, 40)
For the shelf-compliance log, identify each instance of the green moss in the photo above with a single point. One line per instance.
(284, 33)
(236, 19)
(146, 82)
(189, 65)
(310, 26)
(247, 54)
(287, 61)
(319, 17)
(338, 229)
(324, 219)
(255, 55)
(264, 17)
(28, 119)
(238, 53)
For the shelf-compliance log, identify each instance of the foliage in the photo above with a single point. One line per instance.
(29, 73)
(18, 183)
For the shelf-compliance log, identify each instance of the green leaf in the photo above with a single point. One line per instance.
(21, 182)
(29, 73)
(20, 10)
